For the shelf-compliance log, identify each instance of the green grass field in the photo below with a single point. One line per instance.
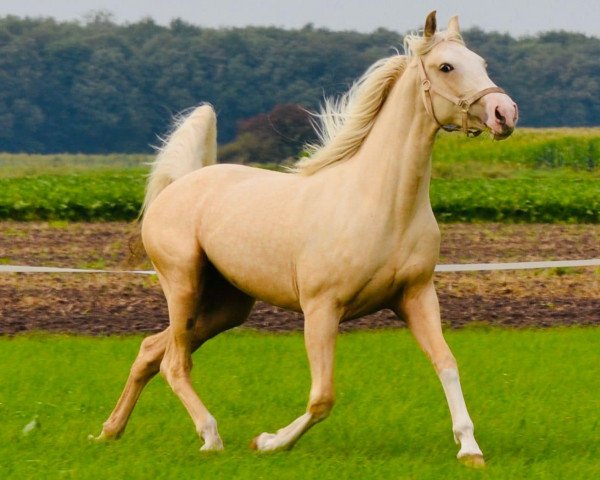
(535, 176)
(534, 397)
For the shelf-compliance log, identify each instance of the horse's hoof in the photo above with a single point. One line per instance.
(259, 443)
(474, 460)
(211, 448)
(215, 445)
(264, 443)
(97, 439)
(102, 438)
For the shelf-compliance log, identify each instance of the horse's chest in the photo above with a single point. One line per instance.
(377, 279)
(367, 290)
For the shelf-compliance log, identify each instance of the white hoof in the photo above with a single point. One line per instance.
(265, 442)
(211, 437)
(469, 449)
(212, 446)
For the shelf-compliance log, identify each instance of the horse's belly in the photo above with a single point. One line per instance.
(267, 281)
(254, 255)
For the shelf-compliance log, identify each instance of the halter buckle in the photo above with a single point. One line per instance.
(464, 105)
(426, 84)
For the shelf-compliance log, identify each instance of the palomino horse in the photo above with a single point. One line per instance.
(351, 231)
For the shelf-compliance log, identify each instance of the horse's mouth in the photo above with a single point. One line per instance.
(503, 134)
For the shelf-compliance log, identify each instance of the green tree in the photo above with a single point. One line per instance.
(99, 86)
(275, 137)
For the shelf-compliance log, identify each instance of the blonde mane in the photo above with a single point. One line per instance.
(343, 123)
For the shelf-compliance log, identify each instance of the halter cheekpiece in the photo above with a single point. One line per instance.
(464, 102)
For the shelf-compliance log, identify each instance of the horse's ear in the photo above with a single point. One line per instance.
(453, 25)
(430, 25)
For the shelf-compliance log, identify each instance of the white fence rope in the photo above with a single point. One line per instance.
(28, 269)
(450, 268)
(482, 267)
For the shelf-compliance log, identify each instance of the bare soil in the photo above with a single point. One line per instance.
(122, 303)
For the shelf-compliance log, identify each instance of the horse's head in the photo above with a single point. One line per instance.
(456, 89)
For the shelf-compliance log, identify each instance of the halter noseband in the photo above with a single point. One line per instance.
(464, 103)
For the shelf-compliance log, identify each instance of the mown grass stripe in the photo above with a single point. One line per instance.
(533, 395)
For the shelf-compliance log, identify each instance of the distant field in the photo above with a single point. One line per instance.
(94, 194)
(533, 395)
(535, 176)
(24, 165)
(574, 149)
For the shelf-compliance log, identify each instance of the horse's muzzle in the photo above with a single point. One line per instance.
(502, 115)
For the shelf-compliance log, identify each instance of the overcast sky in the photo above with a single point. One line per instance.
(518, 17)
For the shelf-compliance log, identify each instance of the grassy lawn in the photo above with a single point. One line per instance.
(534, 397)
(538, 175)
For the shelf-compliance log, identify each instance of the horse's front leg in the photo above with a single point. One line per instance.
(320, 330)
(420, 307)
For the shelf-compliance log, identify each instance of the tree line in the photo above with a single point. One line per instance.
(98, 86)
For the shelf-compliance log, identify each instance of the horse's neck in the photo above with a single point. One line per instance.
(395, 160)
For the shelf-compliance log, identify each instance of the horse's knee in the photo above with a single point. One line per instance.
(321, 407)
(175, 373)
(149, 357)
(144, 367)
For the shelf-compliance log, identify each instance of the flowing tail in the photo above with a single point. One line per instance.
(192, 144)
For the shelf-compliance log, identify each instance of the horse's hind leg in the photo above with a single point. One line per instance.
(222, 307)
(145, 366)
(194, 316)
(182, 299)
(420, 307)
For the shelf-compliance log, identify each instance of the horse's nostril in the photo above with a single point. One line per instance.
(500, 117)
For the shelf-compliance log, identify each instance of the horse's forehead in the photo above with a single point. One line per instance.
(455, 52)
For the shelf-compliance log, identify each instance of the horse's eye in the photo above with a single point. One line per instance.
(446, 68)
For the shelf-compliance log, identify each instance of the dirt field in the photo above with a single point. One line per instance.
(109, 303)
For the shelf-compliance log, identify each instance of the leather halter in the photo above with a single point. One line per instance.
(464, 102)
